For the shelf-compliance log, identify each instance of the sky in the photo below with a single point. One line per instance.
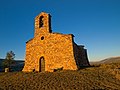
(94, 23)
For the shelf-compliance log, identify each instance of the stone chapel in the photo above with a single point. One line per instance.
(49, 51)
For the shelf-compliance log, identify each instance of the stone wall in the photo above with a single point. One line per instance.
(46, 28)
(57, 50)
(80, 55)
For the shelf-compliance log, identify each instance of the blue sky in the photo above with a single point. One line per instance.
(94, 23)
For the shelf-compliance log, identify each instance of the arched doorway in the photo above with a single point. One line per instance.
(42, 64)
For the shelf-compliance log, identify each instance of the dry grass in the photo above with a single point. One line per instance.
(97, 77)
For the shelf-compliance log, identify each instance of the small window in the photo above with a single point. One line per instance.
(42, 38)
(41, 21)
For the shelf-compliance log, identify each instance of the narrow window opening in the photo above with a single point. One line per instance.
(41, 21)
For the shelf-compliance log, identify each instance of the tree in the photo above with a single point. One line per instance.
(9, 59)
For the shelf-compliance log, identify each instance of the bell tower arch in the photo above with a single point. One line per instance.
(43, 23)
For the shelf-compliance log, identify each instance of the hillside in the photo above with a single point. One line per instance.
(105, 76)
(111, 60)
(108, 60)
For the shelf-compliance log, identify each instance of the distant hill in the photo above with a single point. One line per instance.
(108, 60)
(1, 60)
(16, 67)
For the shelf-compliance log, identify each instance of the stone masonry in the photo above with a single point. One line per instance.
(49, 51)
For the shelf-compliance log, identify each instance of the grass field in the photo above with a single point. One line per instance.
(105, 76)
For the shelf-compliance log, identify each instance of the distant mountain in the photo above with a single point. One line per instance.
(108, 60)
(18, 66)
(1, 60)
